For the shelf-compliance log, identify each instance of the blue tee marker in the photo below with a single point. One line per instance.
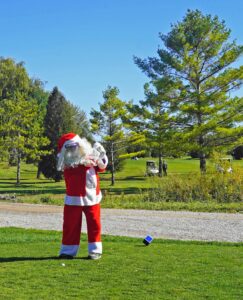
(147, 240)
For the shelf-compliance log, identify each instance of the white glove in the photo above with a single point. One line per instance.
(98, 147)
(102, 162)
(88, 163)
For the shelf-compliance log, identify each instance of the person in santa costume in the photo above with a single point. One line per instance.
(80, 163)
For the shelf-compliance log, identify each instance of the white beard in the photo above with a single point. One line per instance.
(84, 154)
(72, 158)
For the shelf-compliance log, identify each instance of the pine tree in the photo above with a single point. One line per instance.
(152, 118)
(197, 56)
(61, 117)
(107, 122)
(76, 120)
(53, 129)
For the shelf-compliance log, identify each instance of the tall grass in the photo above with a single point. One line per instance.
(215, 186)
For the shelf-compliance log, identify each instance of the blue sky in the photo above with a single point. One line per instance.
(84, 46)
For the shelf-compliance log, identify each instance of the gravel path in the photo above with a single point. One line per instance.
(181, 225)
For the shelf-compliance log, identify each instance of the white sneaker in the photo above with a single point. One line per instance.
(94, 255)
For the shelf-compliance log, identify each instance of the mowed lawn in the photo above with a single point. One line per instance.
(128, 269)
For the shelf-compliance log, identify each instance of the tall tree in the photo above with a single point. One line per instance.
(20, 131)
(61, 117)
(14, 79)
(53, 128)
(107, 122)
(152, 118)
(75, 119)
(197, 57)
(38, 92)
(108, 125)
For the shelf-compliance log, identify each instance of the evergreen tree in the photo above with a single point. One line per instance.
(108, 123)
(61, 117)
(197, 57)
(152, 118)
(53, 128)
(76, 120)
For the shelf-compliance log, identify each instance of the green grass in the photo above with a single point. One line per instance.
(128, 270)
(130, 183)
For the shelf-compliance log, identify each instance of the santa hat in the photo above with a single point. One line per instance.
(66, 139)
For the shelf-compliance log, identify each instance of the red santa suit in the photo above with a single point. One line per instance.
(83, 195)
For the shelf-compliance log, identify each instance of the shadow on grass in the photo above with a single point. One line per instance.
(126, 191)
(127, 178)
(13, 182)
(33, 191)
(30, 181)
(15, 259)
(130, 178)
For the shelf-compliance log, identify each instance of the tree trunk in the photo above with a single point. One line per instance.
(18, 168)
(112, 165)
(202, 156)
(201, 138)
(38, 172)
(203, 166)
(160, 164)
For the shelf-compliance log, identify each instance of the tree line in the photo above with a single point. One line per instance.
(189, 103)
(32, 120)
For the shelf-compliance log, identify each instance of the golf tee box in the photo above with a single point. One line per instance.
(147, 241)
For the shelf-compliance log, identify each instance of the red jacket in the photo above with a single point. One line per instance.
(82, 185)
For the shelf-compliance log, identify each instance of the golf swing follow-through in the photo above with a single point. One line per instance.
(80, 163)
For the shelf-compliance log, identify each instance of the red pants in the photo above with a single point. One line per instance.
(72, 222)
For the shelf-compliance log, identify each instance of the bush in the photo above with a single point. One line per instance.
(45, 199)
(218, 187)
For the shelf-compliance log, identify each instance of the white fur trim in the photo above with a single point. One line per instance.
(91, 184)
(82, 201)
(69, 249)
(95, 247)
(91, 179)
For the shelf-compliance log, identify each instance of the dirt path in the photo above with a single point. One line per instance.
(180, 225)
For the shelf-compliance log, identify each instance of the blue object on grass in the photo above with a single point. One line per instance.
(147, 240)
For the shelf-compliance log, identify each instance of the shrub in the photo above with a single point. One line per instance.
(45, 199)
